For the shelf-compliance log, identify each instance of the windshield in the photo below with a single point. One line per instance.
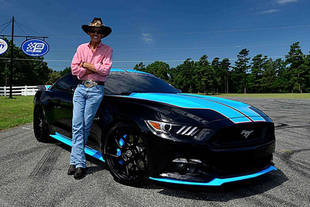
(128, 82)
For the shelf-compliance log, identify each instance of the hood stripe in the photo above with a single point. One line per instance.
(180, 100)
(205, 98)
(238, 106)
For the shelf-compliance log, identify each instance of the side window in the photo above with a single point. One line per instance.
(66, 83)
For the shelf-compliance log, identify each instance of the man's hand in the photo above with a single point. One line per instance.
(88, 72)
(90, 67)
(84, 65)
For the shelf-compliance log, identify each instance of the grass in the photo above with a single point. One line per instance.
(268, 95)
(14, 112)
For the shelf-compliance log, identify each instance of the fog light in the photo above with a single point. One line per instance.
(180, 160)
(180, 165)
(181, 168)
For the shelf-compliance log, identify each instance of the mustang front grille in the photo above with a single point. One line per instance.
(243, 135)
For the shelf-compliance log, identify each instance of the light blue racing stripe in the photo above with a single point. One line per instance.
(128, 70)
(242, 107)
(117, 70)
(137, 71)
(67, 141)
(194, 103)
(216, 181)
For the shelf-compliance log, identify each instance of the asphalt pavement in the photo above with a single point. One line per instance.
(34, 173)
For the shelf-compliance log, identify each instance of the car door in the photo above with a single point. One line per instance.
(62, 104)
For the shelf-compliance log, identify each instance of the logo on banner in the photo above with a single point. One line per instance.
(3, 46)
(35, 47)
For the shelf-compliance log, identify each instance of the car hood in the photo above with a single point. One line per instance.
(235, 111)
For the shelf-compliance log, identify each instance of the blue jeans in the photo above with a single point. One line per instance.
(86, 102)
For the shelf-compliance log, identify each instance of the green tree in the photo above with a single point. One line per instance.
(240, 70)
(65, 71)
(140, 67)
(160, 69)
(268, 78)
(218, 75)
(297, 72)
(225, 65)
(206, 75)
(281, 82)
(184, 76)
(256, 74)
(53, 77)
(306, 68)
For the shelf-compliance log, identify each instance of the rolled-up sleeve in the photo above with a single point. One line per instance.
(75, 65)
(104, 66)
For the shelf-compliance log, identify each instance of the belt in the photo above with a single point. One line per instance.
(90, 83)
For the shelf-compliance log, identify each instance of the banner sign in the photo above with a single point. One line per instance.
(35, 47)
(3, 46)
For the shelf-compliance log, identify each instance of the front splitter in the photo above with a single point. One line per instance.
(216, 181)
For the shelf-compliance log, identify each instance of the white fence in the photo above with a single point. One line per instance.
(18, 90)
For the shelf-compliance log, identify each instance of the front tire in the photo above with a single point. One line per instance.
(40, 125)
(126, 154)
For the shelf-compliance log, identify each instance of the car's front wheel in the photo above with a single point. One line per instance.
(126, 154)
(40, 125)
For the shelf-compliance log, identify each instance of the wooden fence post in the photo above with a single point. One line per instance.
(26, 91)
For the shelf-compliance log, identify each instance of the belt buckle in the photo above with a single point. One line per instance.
(89, 83)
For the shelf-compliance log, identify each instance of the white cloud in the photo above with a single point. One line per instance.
(147, 37)
(286, 1)
(270, 11)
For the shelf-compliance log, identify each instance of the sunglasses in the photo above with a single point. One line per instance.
(97, 31)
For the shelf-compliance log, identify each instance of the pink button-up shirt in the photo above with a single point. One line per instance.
(101, 58)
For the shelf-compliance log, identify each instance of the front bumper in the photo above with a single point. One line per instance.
(201, 164)
(216, 181)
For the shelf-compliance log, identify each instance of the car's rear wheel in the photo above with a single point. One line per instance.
(40, 125)
(126, 153)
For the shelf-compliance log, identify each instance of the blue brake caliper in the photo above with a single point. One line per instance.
(118, 151)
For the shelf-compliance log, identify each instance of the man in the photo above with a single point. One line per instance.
(91, 64)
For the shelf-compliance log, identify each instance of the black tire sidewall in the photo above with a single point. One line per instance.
(132, 129)
(45, 131)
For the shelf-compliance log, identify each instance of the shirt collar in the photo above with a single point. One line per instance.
(100, 45)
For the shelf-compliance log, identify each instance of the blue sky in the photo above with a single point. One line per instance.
(165, 30)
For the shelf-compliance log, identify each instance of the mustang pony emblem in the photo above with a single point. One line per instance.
(246, 133)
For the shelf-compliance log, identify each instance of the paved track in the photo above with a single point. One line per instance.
(34, 174)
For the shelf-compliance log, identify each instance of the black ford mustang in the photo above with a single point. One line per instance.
(147, 129)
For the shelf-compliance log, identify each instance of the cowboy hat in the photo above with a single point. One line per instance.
(97, 23)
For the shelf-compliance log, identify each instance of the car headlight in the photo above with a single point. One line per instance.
(158, 127)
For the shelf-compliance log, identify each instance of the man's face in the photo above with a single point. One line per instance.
(95, 36)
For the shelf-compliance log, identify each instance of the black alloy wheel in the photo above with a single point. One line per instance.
(126, 154)
(40, 125)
